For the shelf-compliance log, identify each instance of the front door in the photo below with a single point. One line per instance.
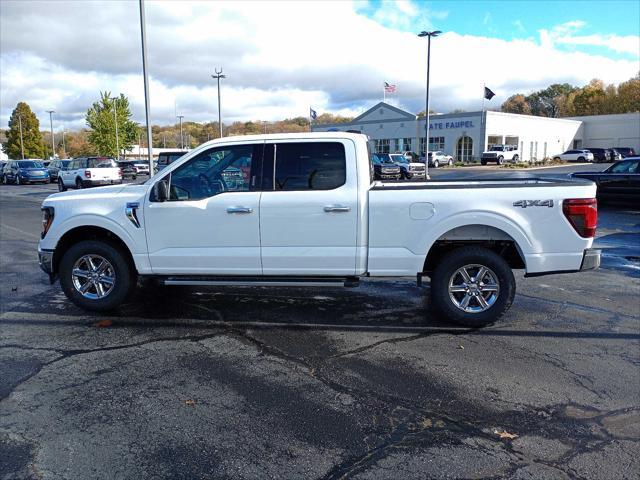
(309, 208)
(211, 223)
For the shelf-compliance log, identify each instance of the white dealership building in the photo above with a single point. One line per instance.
(466, 135)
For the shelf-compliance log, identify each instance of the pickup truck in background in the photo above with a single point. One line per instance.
(308, 212)
(500, 154)
(87, 172)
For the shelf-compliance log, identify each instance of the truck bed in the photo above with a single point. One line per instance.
(480, 183)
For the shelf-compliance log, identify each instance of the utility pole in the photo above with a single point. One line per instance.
(21, 139)
(53, 143)
(115, 119)
(218, 76)
(139, 146)
(64, 147)
(181, 137)
(435, 33)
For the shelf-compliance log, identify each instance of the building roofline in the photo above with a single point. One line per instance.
(404, 113)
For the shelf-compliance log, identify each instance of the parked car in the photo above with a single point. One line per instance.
(575, 156)
(600, 155)
(614, 155)
(25, 171)
(128, 169)
(500, 154)
(54, 168)
(439, 158)
(619, 182)
(626, 151)
(89, 172)
(308, 214)
(384, 168)
(2, 164)
(142, 168)
(408, 169)
(167, 158)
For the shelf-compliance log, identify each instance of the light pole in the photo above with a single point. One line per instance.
(218, 76)
(181, 137)
(64, 147)
(21, 139)
(53, 143)
(143, 44)
(115, 119)
(435, 33)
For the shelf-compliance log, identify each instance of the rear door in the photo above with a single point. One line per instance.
(309, 208)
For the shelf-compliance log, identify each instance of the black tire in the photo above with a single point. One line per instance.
(516, 158)
(445, 272)
(500, 160)
(4, 179)
(61, 187)
(557, 158)
(125, 277)
(450, 163)
(78, 184)
(483, 162)
(436, 164)
(581, 159)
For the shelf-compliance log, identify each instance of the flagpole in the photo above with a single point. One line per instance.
(384, 93)
(483, 121)
(309, 118)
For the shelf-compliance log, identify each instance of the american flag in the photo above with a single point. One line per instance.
(388, 88)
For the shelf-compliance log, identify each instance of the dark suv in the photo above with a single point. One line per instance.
(626, 151)
(600, 155)
(167, 158)
(384, 168)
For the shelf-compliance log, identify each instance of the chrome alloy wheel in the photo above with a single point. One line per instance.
(474, 288)
(93, 276)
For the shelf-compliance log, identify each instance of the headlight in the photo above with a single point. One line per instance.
(47, 220)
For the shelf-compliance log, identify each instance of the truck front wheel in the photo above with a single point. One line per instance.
(472, 286)
(96, 275)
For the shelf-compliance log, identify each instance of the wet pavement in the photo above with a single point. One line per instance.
(325, 383)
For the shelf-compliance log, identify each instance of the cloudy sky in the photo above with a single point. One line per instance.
(282, 57)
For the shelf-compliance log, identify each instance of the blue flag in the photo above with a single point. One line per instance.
(313, 114)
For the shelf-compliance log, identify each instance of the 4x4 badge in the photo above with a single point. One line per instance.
(533, 203)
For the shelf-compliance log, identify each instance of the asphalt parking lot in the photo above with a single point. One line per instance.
(320, 383)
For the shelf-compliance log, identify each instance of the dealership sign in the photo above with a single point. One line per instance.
(448, 125)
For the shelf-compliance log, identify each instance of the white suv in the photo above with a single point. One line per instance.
(575, 156)
(89, 172)
(142, 167)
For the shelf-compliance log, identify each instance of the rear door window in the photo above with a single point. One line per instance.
(309, 166)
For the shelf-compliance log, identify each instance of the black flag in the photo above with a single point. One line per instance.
(488, 94)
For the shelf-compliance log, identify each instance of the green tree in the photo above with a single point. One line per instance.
(590, 99)
(101, 122)
(544, 103)
(33, 145)
(516, 104)
(629, 95)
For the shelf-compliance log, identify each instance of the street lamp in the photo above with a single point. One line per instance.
(218, 76)
(181, 137)
(435, 33)
(21, 139)
(64, 147)
(115, 119)
(53, 144)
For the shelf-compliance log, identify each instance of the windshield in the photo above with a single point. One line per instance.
(29, 164)
(65, 163)
(496, 149)
(383, 157)
(624, 167)
(399, 158)
(101, 163)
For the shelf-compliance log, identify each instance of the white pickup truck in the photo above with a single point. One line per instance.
(303, 209)
(500, 154)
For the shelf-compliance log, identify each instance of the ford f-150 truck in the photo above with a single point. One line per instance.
(304, 209)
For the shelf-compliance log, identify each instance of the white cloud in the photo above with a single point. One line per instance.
(279, 57)
(566, 34)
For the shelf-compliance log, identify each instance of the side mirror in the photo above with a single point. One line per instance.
(161, 191)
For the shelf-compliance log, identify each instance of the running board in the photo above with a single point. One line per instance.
(348, 282)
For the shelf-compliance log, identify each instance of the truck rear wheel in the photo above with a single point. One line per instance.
(472, 286)
(95, 275)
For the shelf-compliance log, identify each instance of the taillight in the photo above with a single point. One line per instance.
(87, 174)
(120, 172)
(47, 220)
(582, 214)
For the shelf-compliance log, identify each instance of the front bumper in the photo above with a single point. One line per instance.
(45, 260)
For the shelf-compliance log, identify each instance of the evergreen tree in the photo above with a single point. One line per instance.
(33, 145)
(101, 122)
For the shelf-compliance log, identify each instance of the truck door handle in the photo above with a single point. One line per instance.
(239, 210)
(337, 208)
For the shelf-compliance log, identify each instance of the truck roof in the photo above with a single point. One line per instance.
(289, 136)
